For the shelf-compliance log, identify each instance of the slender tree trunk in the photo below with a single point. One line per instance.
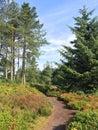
(6, 73)
(11, 71)
(11, 68)
(23, 63)
(18, 57)
(14, 63)
(13, 57)
(6, 68)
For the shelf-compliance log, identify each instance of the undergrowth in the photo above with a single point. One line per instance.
(20, 106)
(86, 117)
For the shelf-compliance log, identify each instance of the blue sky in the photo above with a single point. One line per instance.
(56, 15)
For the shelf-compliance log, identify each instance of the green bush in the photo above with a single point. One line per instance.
(80, 92)
(77, 105)
(20, 106)
(53, 93)
(19, 123)
(41, 87)
(44, 111)
(7, 122)
(5, 118)
(8, 81)
(84, 120)
(95, 93)
(29, 116)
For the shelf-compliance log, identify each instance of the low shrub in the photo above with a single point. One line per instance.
(80, 101)
(80, 92)
(53, 93)
(45, 108)
(20, 106)
(5, 118)
(40, 87)
(29, 116)
(87, 114)
(96, 92)
(43, 111)
(77, 105)
(84, 120)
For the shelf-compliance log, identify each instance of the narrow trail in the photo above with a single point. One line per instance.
(60, 115)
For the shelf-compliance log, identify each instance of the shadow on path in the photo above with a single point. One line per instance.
(60, 127)
(60, 115)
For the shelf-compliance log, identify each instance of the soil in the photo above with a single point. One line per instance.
(60, 115)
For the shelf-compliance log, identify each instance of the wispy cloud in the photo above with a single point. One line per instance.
(56, 15)
(56, 44)
(51, 53)
(56, 24)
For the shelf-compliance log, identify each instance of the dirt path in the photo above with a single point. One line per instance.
(59, 117)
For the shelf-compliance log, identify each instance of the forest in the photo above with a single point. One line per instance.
(22, 35)
(24, 87)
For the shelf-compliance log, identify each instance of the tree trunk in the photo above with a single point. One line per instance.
(6, 74)
(6, 66)
(18, 57)
(13, 63)
(23, 63)
(11, 68)
(13, 57)
(11, 71)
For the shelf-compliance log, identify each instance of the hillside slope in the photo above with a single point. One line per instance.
(21, 106)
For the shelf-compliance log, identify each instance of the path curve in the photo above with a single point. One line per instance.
(60, 115)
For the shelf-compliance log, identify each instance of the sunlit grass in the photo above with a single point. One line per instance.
(80, 102)
(21, 106)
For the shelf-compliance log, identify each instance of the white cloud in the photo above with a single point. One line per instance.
(56, 44)
(50, 52)
(58, 34)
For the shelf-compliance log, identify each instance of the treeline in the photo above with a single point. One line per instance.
(21, 36)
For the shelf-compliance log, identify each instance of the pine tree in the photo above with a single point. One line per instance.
(80, 63)
(46, 76)
(13, 13)
(9, 24)
(32, 36)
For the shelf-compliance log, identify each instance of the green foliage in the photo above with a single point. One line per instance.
(78, 105)
(40, 87)
(7, 121)
(5, 118)
(19, 108)
(43, 79)
(45, 110)
(87, 111)
(29, 116)
(56, 77)
(96, 92)
(79, 66)
(80, 101)
(8, 81)
(53, 93)
(32, 34)
(84, 121)
(46, 75)
(21, 36)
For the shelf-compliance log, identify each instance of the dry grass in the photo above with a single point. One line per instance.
(80, 102)
(22, 108)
